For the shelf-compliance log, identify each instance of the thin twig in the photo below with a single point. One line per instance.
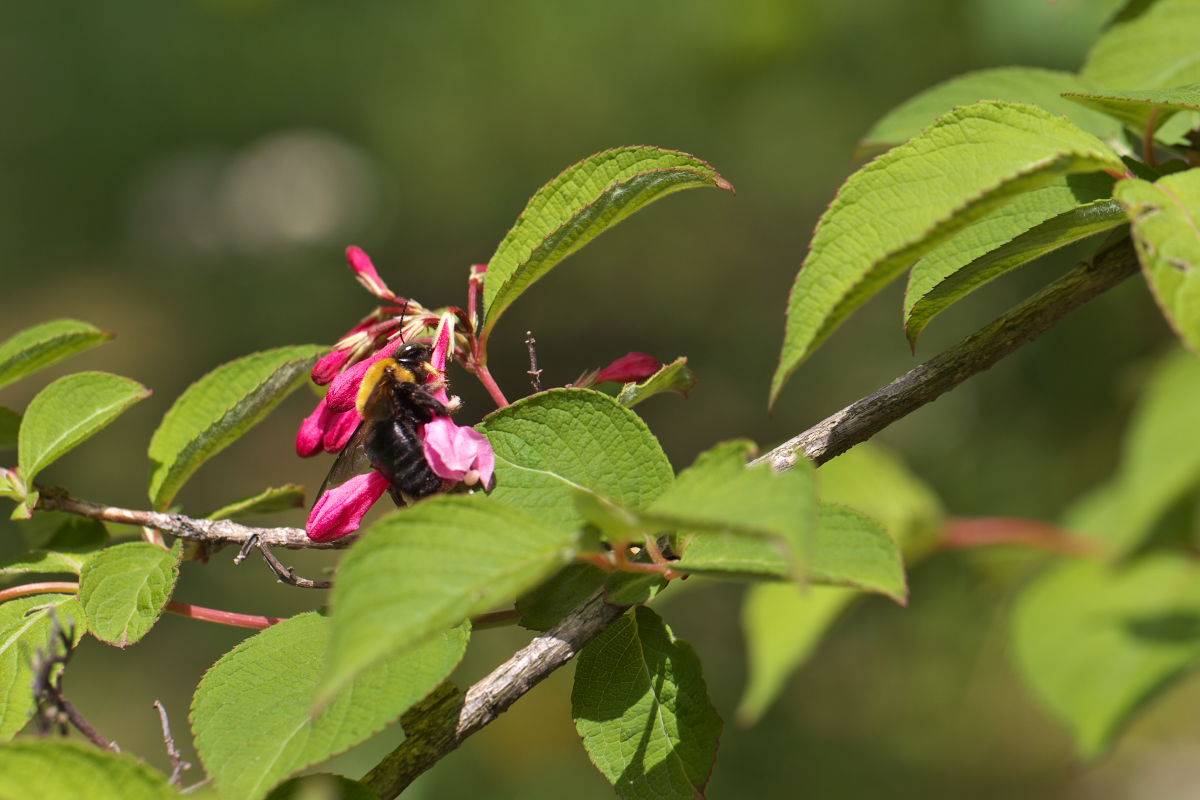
(177, 763)
(535, 372)
(53, 706)
(284, 573)
(207, 531)
(450, 717)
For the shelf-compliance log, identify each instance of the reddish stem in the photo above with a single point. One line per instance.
(967, 532)
(46, 587)
(489, 383)
(232, 618)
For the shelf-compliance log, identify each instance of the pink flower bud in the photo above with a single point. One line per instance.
(629, 368)
(339, 512)
(366, 274)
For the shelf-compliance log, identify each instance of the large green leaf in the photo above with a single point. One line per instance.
(425, 569)
(1167, 236)
(25, 625)
(733, 518)
(909, 200)
(1039, 87)
(125, 588)
(1151, 44)
(1160, 462)
(851, 549)
(69, 411)
(75, 543)
(219, 408)
(783, 623)
(56, 769)
(1036, 223)
(552, 443)
(42, 345)
(1139, 110)
(251, 712)
(642, 708)
(872, 479)
(580, 204)
(1097, 641)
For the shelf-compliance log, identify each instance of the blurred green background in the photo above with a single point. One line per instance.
(188, 174)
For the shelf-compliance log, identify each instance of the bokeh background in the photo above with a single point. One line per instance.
(188, 174)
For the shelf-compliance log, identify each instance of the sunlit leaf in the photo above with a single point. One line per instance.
(1139, 110)
(1151, 44)
(125, 588)
(25, 625)
(42, 345)
(217, 409)
(580, 204)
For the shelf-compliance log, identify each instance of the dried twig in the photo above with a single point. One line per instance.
(284, 573)
(177, 763)
(53, 708)
(535, 372)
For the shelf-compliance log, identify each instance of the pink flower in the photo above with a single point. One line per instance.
(454, 453)
(629, 368)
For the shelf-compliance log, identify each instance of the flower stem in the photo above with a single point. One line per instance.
(232, 618)
(47, 587)
(489, 383)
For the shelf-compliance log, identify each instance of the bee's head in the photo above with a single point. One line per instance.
(415, 358)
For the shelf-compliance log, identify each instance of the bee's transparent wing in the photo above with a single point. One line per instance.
(352, 460)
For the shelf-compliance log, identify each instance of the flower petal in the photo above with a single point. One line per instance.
(328, 366)
(312, 431)
(629, 368)
(366, 274)
(454, 452)
(340, 429)
(340, 510)
(343, 390)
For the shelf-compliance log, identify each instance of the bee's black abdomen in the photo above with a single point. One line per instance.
(395, 450)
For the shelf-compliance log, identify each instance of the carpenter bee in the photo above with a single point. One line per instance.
(393, 401)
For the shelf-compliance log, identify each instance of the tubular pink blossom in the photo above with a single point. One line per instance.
(312, 431)
(340, 510)
(328, 366)
(343, 390)
(340, 429)
(366, 274)
(629, 368)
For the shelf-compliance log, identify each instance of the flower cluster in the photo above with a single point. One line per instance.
(455, 453)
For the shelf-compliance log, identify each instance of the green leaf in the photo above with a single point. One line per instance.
(1167, 238)
(34, 348)
(25, 625)
(424, 569)
(783, 624)
(674, 377)
(642, 708)
(1139, 110)
(219, 408)
(322, 786)
(771, 515)
(1098, 641)
(76, 542)
(1039, 87)
(67, 412)
(851, 549)
(1036, 223)
(906, 202)
(1159, 462)
(251, 712)
(577, 206)
(549, 444)
(10, 423)
(1151, 44)
(57, 769)
(268, 501)
(125, 588)
(542, 608)
(874, 480)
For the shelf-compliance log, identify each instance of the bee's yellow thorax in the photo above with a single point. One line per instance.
(384, 368)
